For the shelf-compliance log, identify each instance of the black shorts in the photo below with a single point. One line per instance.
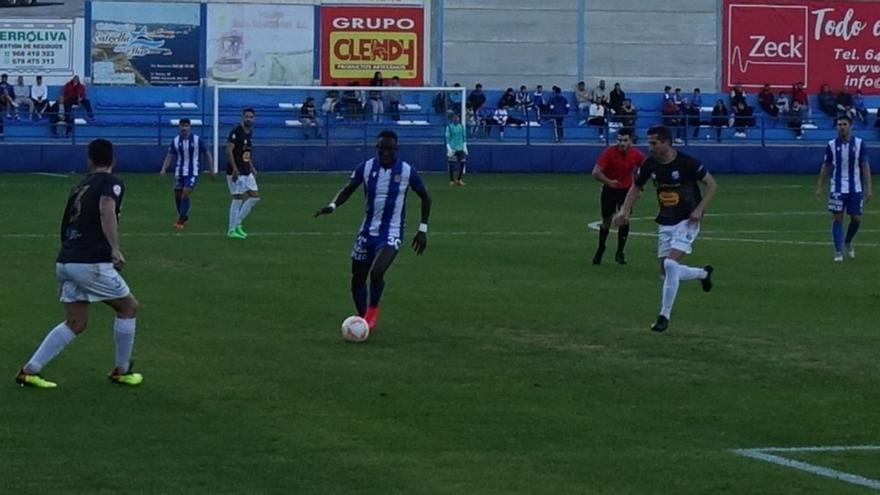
(612, 200)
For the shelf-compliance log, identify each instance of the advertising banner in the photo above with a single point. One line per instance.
(31, 47)
(357, 42)
(145, 43)
(261, 44)
(814, 42)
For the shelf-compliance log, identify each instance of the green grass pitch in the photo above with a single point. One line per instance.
(504, 364)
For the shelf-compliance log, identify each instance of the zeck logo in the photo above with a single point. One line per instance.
(762, 48)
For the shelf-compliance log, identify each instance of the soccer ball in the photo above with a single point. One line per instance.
(355, 329)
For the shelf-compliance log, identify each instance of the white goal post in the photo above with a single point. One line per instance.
(218, 90)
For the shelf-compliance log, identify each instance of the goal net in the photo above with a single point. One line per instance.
(333, 127)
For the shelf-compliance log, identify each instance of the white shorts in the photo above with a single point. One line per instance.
(680, 237)
(90, 282)
(244, 184)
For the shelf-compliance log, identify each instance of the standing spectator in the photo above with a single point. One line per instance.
(617, 98)
(476, 99)
(768, 101)
(351, 101)
(395, 95)
(667, 95)
(860, 107)
(845, 105)
(331, 102)
(827, 101)
(737, 96)
(672, 118)
(524, 100)
(600, 96)
(541, 104)
(597, 119)
(799, 95)
(582, 99)
(58, 117)
(783, 104)
(75, 95)
(377, 107)
(7, 95)
(454, 99)
(23, 97)
(627, 116)
(40, 97)
(795, 119)
(558, 109)
(308, 116)
(456, 150)
(507, 100)
(720, 117)
(678, 98)
(693, 110)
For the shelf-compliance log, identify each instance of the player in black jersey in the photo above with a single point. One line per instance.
(241, 174)
(87, 269)
(682, 206)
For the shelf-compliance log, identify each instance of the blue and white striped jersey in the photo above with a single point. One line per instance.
(845, 159)
(385, 193)
(188, 152)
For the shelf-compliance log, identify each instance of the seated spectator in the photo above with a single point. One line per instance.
(845, 105)
(507, 100)
(597, 119)
(524, 100)
(75, 95)
(692, 110)
(59, 117)
(795, 119)
(331, 101)
(782, 104)
(23, 97)
(377, 104)
(454, 100)
(308, 116)
(7, 95)
(616, 98)
(40, 97)
(737, 96)
(582, 99)
(477, 98)
(799, 95)
(720, 118)
(627, 116)
(540, 103)
(352, 102)
(501, 119)
(768, 101)
(558, 109)
(395, 96)
(599, 94)
(672, 118)
(860, 107)
(827, 101)
(742, 119)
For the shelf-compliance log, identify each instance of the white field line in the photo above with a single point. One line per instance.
(763, 455)
(49, 174)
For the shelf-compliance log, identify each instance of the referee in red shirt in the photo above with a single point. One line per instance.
(615, 169)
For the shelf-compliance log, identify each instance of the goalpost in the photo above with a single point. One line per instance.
(415, 109)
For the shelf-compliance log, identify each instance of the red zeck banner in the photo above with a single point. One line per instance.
(814, 42)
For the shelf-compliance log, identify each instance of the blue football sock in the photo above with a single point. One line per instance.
(184, 209)
(851, 230)
(376, 289)
(837, 235)
(359, 294)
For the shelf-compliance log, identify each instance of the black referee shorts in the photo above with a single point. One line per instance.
(612, 200)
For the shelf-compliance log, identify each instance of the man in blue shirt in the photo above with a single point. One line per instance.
(558, 110)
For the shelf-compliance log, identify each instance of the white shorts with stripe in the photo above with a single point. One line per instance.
(680, 237)
(90, 282)
(244, 184)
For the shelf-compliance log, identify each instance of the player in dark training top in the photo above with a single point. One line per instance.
(241, 174)
(87, 269)
(385, 180)
(682, 206)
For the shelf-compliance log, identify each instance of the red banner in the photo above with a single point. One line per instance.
(815, 42)
(356, 42)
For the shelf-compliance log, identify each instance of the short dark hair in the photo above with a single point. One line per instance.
(184, 121)
(248, 109)
(4, 76)
(662, 133)
(101, 152)
(843, 117)
(388, 133)
(667, 88)
(625, 131)
(479, 85)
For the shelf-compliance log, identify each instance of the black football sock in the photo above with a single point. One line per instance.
(622, 235)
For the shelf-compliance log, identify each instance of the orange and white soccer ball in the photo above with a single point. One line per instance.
(355, 329)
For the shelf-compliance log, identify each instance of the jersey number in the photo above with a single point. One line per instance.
(77, 204)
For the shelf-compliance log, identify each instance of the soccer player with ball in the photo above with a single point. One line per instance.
(385, 180)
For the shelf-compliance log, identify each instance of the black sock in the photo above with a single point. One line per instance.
(451, 170)
(460, 170)
(177, 198)
(603, 236)
(622, 234)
